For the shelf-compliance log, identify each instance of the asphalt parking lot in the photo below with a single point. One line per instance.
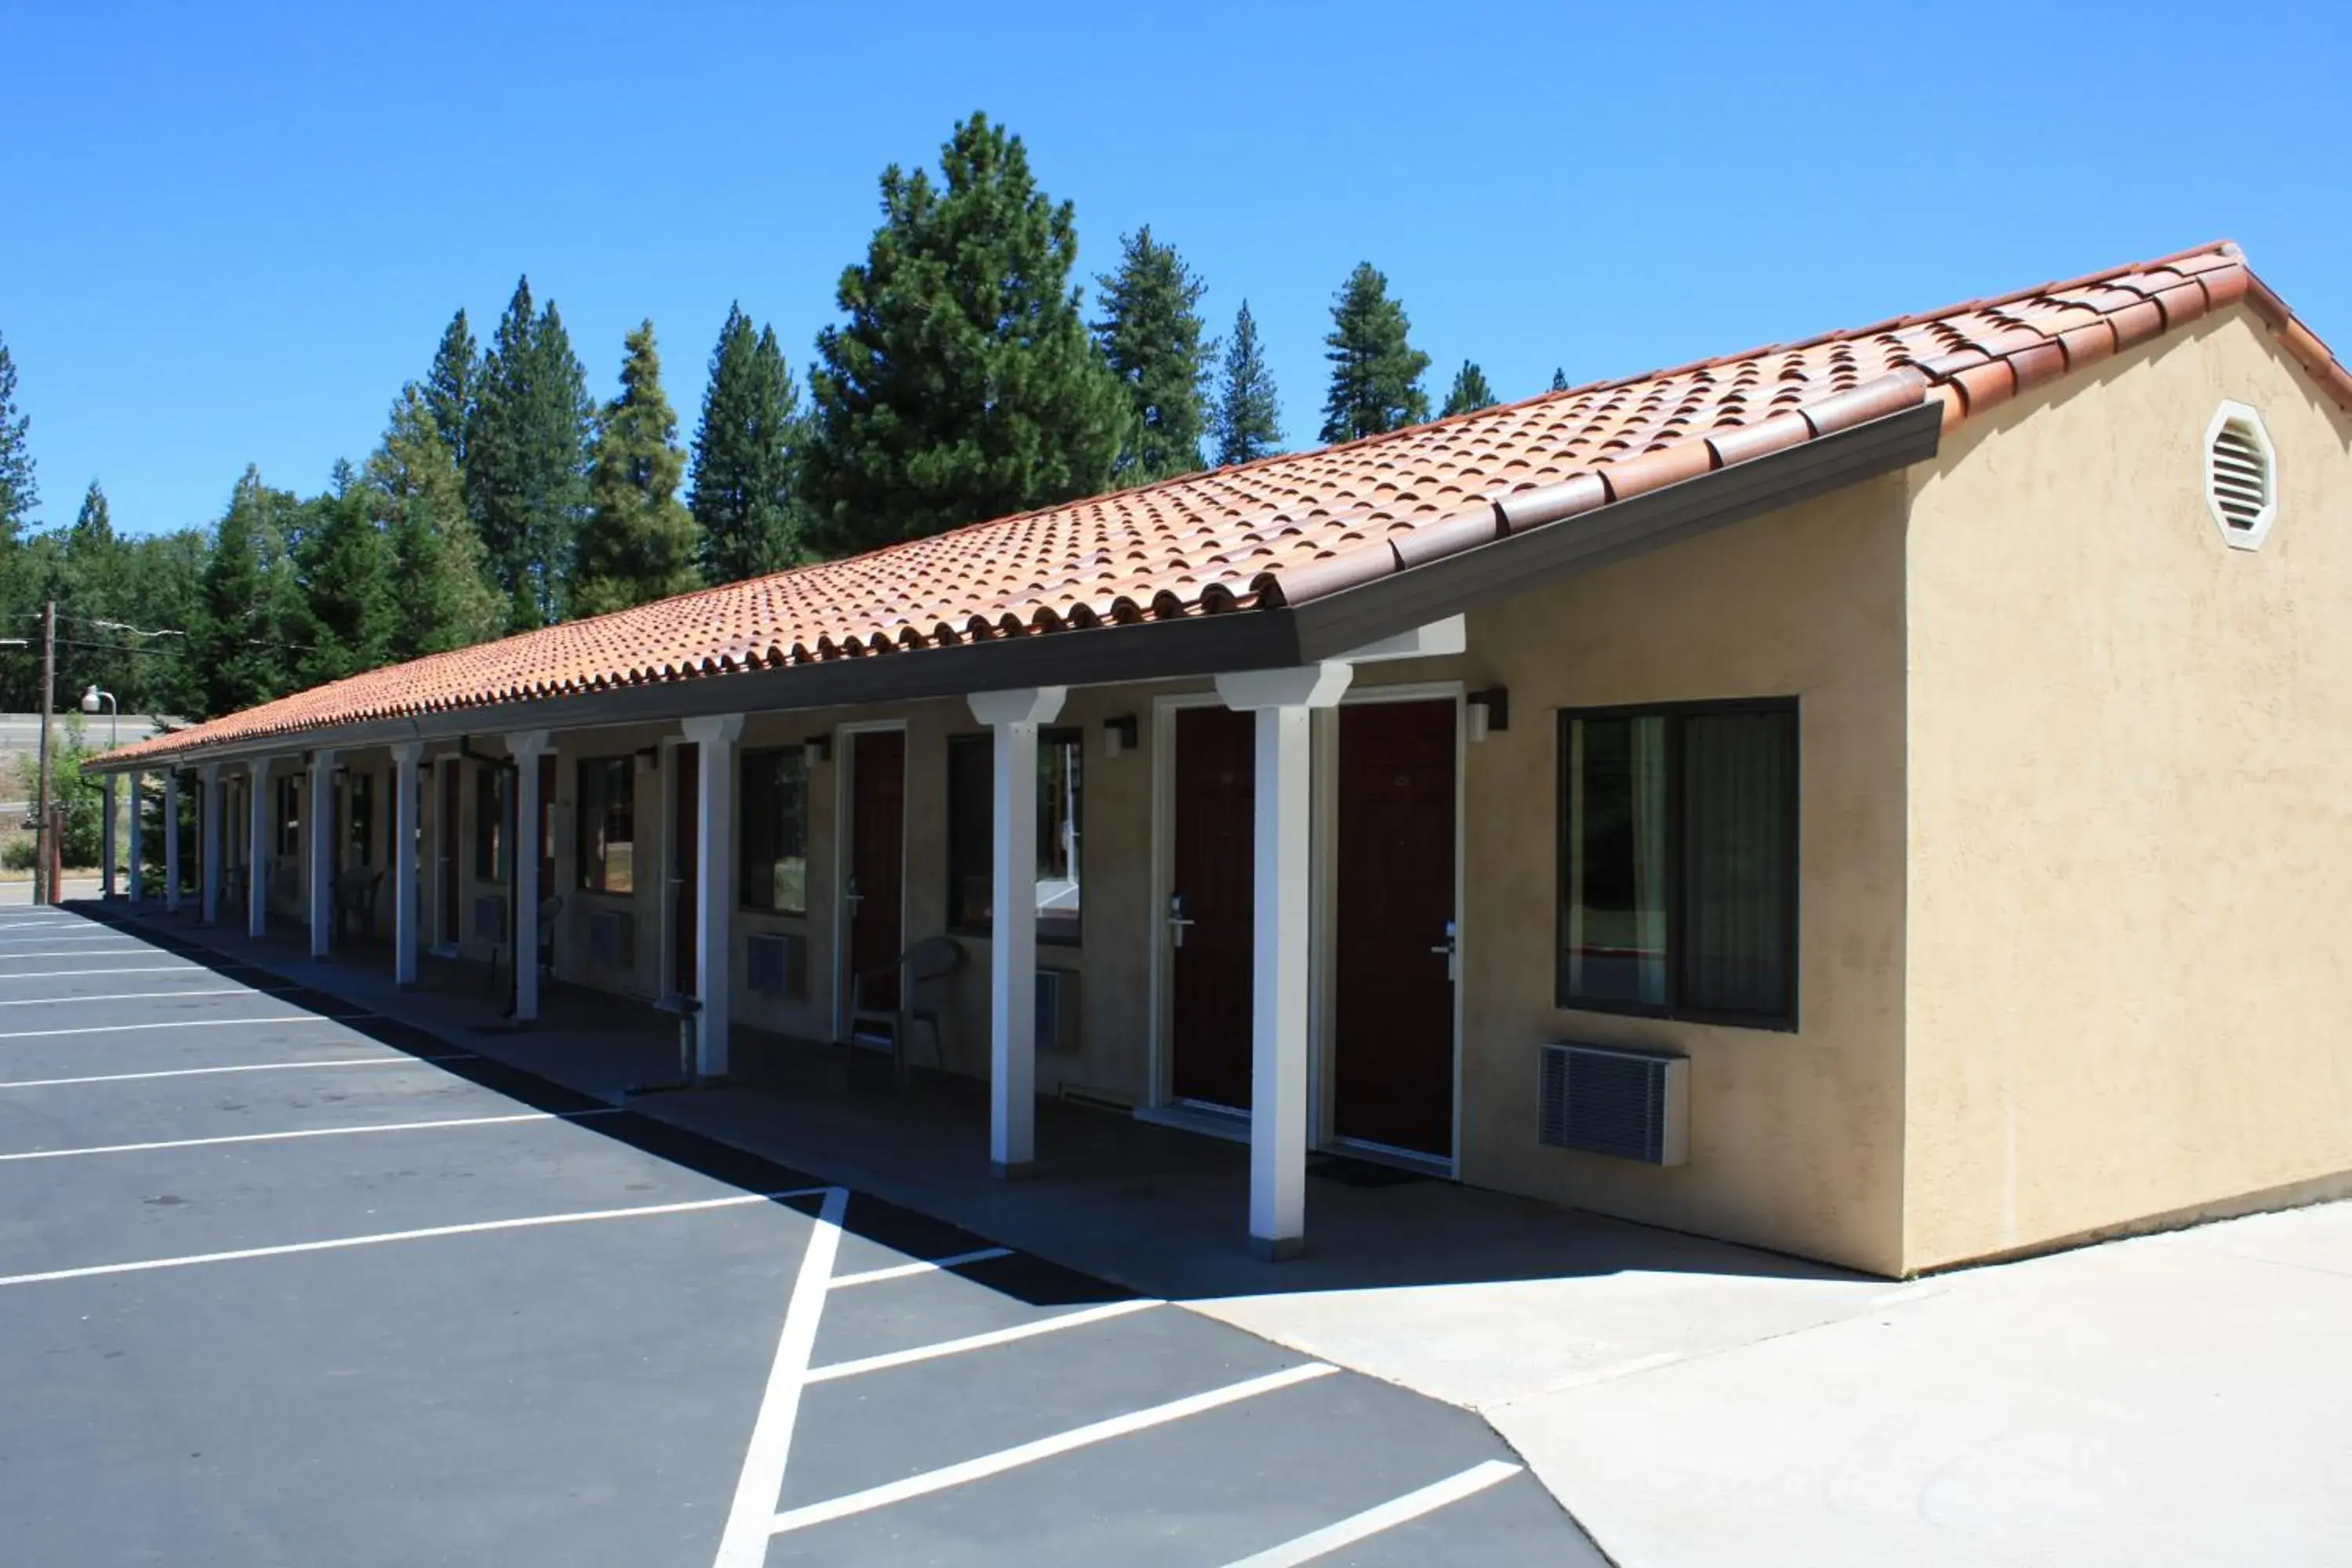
(280, 1284)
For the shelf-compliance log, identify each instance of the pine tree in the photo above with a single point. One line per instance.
(1375, 369)
(345, 566)
(1469, 390)
(451, 386)
(527, 454)
(964, 384)
(446, 600)
(1558, 379)
(18, 492)
(747, 449)
(1150, 333)
(234, 649)
(638, 543)
(1248, 424)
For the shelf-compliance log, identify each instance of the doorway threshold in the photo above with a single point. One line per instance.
(1411, 1160)
(1233, 1126)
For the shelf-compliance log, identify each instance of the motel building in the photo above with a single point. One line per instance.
(1881, 798)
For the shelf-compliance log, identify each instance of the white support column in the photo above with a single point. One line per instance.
(1279, 1105)
(405, 759)
(1013, 717)
(526, 749)
(138, 813)
(714, 870)
(321, 808)
(208, 842)
(256, 850)
(171, 841)
(106, 845)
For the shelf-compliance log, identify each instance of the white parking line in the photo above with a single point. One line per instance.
(137, 996)
(979, 1341)
(1043, 1448)
(183, 1024)
(241, 1067)
(1387, 1516)
(85, 974)
(743, 1544)
(908, 1270)
(313, 1133)
(95, 947)
(479, 1227)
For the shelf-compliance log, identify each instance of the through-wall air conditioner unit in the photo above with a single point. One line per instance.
(775, 963)
(1057, 1009)
(1613, 1099)
(613, 938)
(490, 918)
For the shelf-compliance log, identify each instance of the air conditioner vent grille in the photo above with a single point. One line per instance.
(1604, 1100)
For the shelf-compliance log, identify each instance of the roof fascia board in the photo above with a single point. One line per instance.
(1196, 645)
(1514, 564)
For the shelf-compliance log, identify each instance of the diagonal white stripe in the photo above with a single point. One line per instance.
(1387, 1516)
(908, 1270)
(979, 1341)
(1042, 1448)
(478, 1227)
(744, 1541)
(313, 1133)
(183, 1024)
(241, 1067)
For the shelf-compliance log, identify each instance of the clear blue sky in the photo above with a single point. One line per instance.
(228, 235)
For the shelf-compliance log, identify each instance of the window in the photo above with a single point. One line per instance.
(772, 853)
(290, 815)
(971, 832)
(490, 790)
(361, 819)
(1678, 860)
(606, 815)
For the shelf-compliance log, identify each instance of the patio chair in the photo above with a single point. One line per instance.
(549, 907)
(354, 893)
(912, 989)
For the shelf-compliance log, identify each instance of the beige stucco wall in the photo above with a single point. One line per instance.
(2130, 837)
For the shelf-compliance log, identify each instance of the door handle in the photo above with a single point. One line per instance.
(851, 896)
(1450, 949)
(1177, 920)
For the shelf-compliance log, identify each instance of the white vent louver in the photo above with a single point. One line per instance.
(2240, 475)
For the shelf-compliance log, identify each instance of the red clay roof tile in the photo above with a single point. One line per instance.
(1292, 527)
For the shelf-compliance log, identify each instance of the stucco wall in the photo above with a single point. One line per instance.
(2130, 837)
(1795, 1138)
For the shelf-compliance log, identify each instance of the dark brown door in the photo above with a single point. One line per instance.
(683, 844)
(1392, 934)
(876, 860)
(444, 846)
(1211, 886)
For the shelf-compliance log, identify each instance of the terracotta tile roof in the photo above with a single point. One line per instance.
(1291, 528)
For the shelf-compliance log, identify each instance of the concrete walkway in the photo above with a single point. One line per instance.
(2179, 1398)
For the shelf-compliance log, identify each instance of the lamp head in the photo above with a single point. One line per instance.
(91, 699)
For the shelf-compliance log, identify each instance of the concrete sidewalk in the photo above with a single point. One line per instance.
(2181, 1398)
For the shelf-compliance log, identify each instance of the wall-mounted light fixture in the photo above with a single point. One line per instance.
(817, 749)
(1489, 712)
(1118, 734)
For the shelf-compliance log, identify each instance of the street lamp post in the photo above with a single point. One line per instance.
(89, 701)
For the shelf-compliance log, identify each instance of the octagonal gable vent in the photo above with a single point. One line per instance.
(2240, 475)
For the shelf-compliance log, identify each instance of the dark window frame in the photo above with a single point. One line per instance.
(1678, 913)
(1070, 933)
(493, 798)
(286, 806)
(587, 819)
(745, 841)
(358, 816)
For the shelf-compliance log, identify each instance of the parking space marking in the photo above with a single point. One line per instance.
(908, 1270)
(743, 1544)
(81, 948)
(314, 1132)
(841, 1368)
(183, 1024)
(81, 973)
(385, 1062)
(136, 995)
(432, 1233)
(1387, 1516)
(1029, 1453)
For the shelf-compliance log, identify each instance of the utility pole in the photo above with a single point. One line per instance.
(44, 883)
